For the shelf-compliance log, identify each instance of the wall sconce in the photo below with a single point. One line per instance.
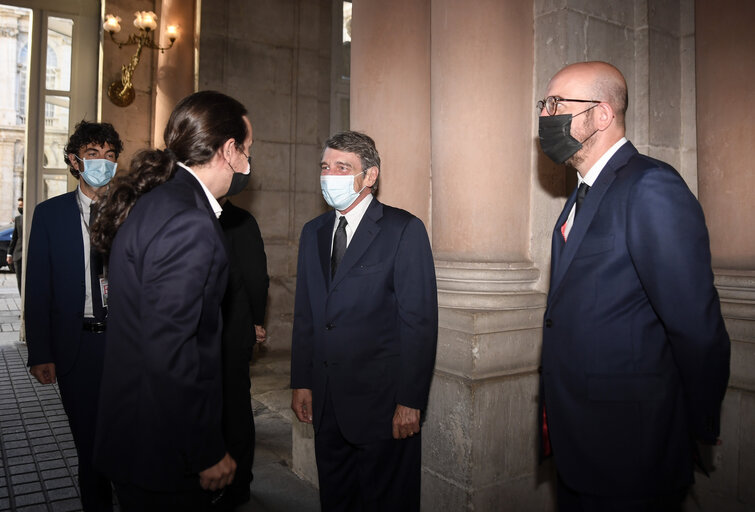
(121, 92)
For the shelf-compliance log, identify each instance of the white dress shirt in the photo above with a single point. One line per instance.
(353, 218)
(213, 202)
(84, 204)
(591, 177)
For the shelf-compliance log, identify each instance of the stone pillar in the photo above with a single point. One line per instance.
(480, 433)
(390, 96)
(725, 74)
(175, 67)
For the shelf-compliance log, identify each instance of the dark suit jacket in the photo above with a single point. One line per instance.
(369, 335)
(246, 297)
(160, 406)
(635, 357)
(16, 245)
(55, 283)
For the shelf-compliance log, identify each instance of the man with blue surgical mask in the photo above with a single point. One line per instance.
(66, 297)
(364, 336)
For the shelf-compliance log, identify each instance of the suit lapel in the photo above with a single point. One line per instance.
(324, 243)
(589, 209)
(557, 242)
(72, 217)
(366, 232)
(203, 203)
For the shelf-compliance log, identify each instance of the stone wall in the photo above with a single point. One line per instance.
(274, 57)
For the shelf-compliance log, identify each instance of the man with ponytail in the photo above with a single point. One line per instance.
(160, 436)
(66, 297)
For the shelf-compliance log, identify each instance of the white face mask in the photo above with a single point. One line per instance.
(97, 171)
(338, 190)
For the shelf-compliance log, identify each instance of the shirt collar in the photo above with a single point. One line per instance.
(594, 172)
(83, 198)
(216, 208)
(355, 215)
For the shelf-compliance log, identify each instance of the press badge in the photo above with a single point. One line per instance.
(103, 290)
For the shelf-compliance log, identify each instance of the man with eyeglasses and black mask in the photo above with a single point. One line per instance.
(66, 297)
(635, 357)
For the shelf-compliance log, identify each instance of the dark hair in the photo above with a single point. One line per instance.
(91, 133)
(361, 145)
(199, 125)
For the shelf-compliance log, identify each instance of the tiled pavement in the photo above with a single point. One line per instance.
(37, 456)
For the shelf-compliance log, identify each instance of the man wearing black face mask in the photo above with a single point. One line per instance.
(635, 357)
(159, 431)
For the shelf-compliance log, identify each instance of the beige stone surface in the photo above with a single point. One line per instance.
(746, 490)
(725, 73)
(474, 437)
(271, 165)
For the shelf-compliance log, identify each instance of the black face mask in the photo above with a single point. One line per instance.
(21, 210)
(238, 183)
(555, 137)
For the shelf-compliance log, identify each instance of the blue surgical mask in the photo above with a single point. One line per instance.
(338, 190)
(97, 171)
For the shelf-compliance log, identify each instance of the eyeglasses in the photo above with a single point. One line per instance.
(550, 104)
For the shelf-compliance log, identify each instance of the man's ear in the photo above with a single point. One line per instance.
(371, 176)
(605, 115)
(226, 149)
(75, 164)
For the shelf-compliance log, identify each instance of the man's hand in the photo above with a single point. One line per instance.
(260, 334)
(44, 373)
(301, 403)
(9, 259)
(405, 422)
(218, 476)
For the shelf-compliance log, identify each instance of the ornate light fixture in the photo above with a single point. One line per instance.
(121, 92)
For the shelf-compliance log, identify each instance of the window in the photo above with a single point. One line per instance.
(340, 66)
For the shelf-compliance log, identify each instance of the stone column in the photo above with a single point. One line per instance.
(725, 74)
(480, 433)
(175, 67)
(390, 96)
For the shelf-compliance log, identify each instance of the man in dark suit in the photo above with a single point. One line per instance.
(635, 357)
(65, 309)
(244, 307)
(159, 431)
(364, 336)
(16, 246)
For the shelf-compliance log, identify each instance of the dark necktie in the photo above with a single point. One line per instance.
(339, 246)
(96, 270)
(582, 191)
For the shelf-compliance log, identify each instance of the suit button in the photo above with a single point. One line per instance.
(329, 326)
(548, 323)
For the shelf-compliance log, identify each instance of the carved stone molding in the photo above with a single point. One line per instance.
(487, 285)
(736, 288)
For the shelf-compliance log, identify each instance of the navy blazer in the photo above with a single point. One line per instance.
(55, 283)
(160, 409)
(370, 335)
(635, 359)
